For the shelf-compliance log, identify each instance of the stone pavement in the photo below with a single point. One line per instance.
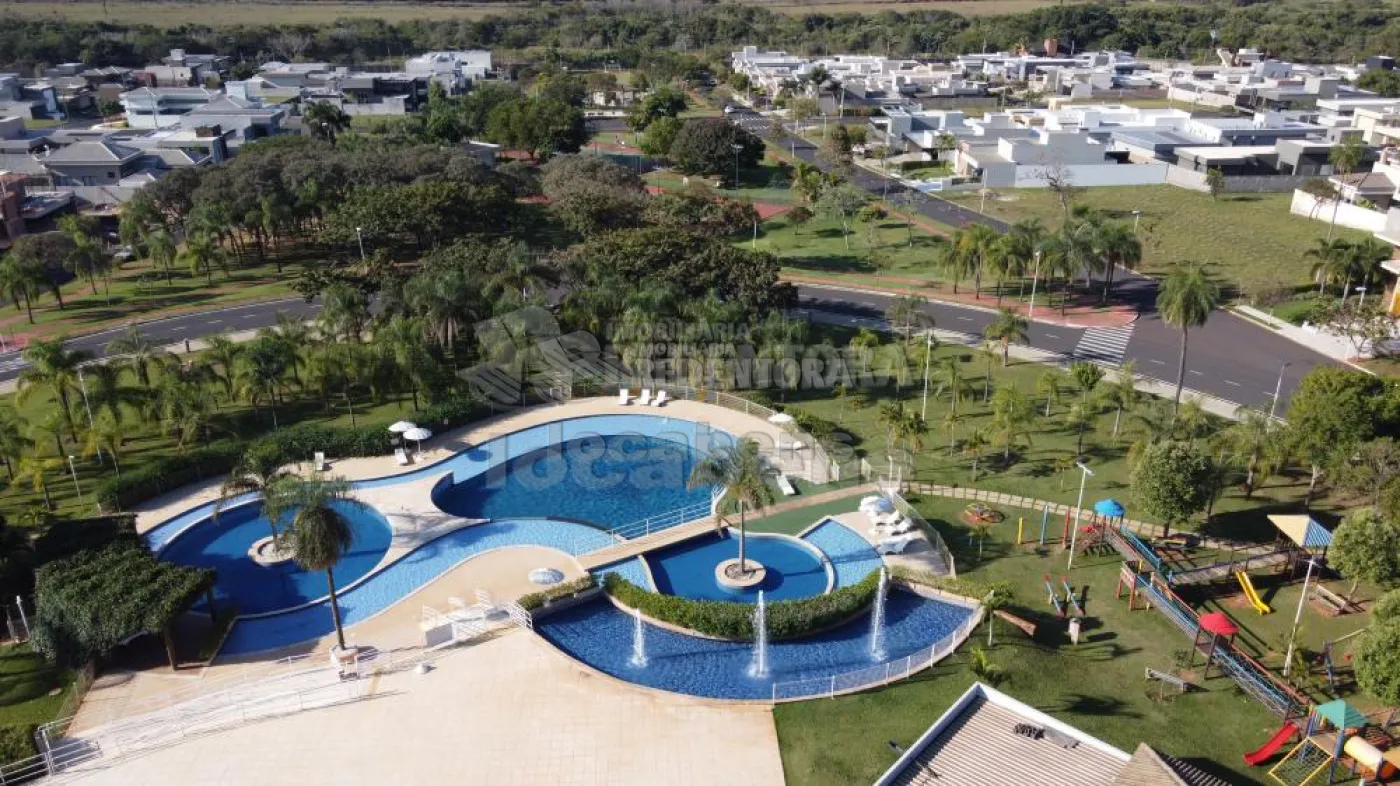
(510, 711)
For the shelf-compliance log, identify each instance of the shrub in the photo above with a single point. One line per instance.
(1387, 608)
(167, 473)
(976, 590)
(452, 413)
(787, 619)
(537, 599)
(17, 742)
(301, 442)
(1378, 662)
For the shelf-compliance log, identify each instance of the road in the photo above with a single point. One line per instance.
(1229, 357)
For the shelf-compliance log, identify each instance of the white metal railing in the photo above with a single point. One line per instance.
(878, 674)
(660, 522)
(891, 490)
(520, 616)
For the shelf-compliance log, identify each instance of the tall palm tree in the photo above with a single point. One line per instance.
(326, 120)
(1080, 416)
(401, 339)
(183, 403)
(1251, 436)
(1086, 376)
(261, 374)
(293, 336)
(1118, 246)
(1329, 261)
(1345, 158)
(105, 436)
(222, 353)
(1005, 260)
(161, 247)
(863, 345)
(1008, 326)
(955, 258)
(1011, 412)
(447, 301)
(1048, 385)
(517, 273)
(106, 392)
(1187, 297)
(1363, 262)
(203, 253)
(344, 313)
(742, 473)
(949, 374)
(951, 421)
(973, 445)
(320, 535)
(1122, 394)
(890, 416)
(13, 443)
(34, 472)
(139, 354)
(20, 283)
(981, 243)
(259, 472)
(52, 367)
(1022, 241)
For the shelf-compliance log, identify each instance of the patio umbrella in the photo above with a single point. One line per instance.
(402, 426)
(418, 435)
(780, 418)
(1111, 508)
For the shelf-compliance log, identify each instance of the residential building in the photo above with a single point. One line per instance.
(454, 70)
(240, 119)
(162, 107)
(184, 69)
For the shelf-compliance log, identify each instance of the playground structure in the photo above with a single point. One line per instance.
(1070, 600)
(1334, 736)
(1251, 594)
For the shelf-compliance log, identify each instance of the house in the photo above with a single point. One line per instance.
(1034, 161)
(454, 70)
(101, 163)
(183, 69)
(243, 119)
(162, 107)
(988, 737)
(1375, 188)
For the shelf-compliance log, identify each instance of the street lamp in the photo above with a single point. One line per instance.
(1137, 216)
(1362, 303)
(1085, 474)
(361, 239)
(1278, 390)
(1297, 617)
(1035, 278)
(74, 472)
(82, 384)
(737, 148)
(928, 355)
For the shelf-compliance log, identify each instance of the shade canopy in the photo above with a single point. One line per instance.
(1341, 714)
(780, 417)
(417, 434)
(1303, 530)
(1109, 507)
(403, 426)
(1218, 623)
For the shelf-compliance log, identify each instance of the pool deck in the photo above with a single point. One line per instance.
(919, 555)
(510, 710)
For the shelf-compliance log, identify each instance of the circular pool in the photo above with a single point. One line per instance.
(606, 481)
(792, 569)
(223, 543)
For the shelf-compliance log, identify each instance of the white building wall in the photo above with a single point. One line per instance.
(1348, 215)
(1097, 175)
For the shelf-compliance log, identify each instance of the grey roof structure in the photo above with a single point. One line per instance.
(92, 153)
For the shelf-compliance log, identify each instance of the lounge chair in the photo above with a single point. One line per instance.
(401, 457)
(320, 461)
(894, 545)
(624, 397)
(644, 399)
(660, 398)
(886, 519)
(785, 485)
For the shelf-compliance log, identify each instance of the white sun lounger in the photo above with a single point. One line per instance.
(894, 545)
(660, 398)
(785, 485)
(320, 462)
(884, 519)
(645, 399)
(401, 457)
(624, 397)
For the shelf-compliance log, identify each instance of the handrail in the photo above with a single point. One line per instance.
(660, 522)
(891, 492)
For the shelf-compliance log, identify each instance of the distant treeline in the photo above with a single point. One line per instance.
(591, 34)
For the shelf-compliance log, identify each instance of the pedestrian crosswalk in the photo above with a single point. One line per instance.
(1104, 345)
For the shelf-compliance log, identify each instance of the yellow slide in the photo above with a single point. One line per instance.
(1250, 594)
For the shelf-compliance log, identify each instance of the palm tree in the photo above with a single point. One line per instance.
(401, 338)
(326, 120)
(996, 600)
(202, 253)
(863, 345)
(891, 415)
(982, 667)
(990, 353)
(517, 273)
(183, 403)
(447, 301)
(222, 353)
(106, 393)
(34, 471)
(1008, 326)
(1118, 246)
(951, 420)
(981, 242)
(949, 375)
(1345, 158)
(320, 534)
(13, 442)
(52, 366)
(105, 436)
(292, 335)
(906, 311)
(1329, 261)
(138, 354)
(955, 259)
(1251, 436)
(972, 446)
(1122, 394)
(1086, 377)
(259, 472)
(345, 312)
(1011, 411)
(162, 249)
(742, 473)
(1187, 297)
(1005, 260)
(20, 282)
(1080, 416)
(260, 376)
(1048, 385)
(1363, 262)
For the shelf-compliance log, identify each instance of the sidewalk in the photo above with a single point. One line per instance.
(1310, 336)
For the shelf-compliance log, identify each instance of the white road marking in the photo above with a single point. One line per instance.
(249, 316)
(1197, 373)
(174, 328)
(1158, 362)
(965, 319)
(214, 322)
(1232, 382)
(1051, 335)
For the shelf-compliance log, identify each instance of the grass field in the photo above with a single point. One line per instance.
(1252, 238)
(31, 690)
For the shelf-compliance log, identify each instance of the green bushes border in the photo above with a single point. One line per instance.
(17, 742)
(787, 619)
(972, 590)
(535, 600)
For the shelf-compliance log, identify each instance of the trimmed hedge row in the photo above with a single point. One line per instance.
(537, 599)
(787, 619)
(975, 590)
(293, 443)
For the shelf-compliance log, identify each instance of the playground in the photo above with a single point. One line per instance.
(1204, 649)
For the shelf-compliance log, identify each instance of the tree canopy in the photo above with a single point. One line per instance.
(1366, 547)
(1172, 481)
(706, 146)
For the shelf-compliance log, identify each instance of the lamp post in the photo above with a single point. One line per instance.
(1085, 474)
(928, 355)
(1278, 390)
(1362, 302)
(1137, 216)
(1297, 617)
(72, 470)
(1035, 279)
(82, 385)
(737, 147)
(360, 238)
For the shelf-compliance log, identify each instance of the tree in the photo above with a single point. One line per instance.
(797, 216)
(1365, 325)
(20, 282)
(1252, 436)
(973, 445)
(660, 135)
(13, 443)
(320, 534)
(1332, 411)
(1366, 547)
(52, 367)
(1011, 415)
(132, 350)
(1048, 385)
(999, 597)
(259, 472)
(1087, 377)
(537, 126)
(706, 146)
(1215, 182)
(45, 253)
(1383, 82)
(801, 110)
(34, 471)
(203, 253)
(743, 475)
(1345, 159)
(1185, 301)
(983, 668)
(1330, 261)
(1172, 482)
(1080, 417)
(326, 120)
(1008, 326)
(907, 312)
(664, 102)
(835, 150)
(842, 202)
(1122, 394)
(1378, 662)
(1118, 246)
(105, 436)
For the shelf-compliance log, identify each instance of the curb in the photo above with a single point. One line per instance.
(954, 303)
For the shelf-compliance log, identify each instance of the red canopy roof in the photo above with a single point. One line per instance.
(1216, 622)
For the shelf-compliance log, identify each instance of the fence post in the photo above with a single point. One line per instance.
(831, 694)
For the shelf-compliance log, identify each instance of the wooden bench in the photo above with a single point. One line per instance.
(1166, 679)
(1329, 602)
(1027, 627)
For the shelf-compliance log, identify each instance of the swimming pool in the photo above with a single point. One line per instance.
(222, 543)
(604, 480)
(600, 635)
(687, 569)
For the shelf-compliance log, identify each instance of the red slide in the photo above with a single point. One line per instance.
(1268, 749)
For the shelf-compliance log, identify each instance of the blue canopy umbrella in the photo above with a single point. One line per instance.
(1110, 508)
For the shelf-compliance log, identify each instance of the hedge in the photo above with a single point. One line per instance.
(974, 590)
(17, 742)
(787, 619)
(167, 473)
(537, 599)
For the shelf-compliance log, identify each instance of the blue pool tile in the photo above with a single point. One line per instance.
(851, 554)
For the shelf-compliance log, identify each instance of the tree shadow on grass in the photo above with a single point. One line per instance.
(1084, 704)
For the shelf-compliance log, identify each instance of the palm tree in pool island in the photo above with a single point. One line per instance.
(1188, 295)
(743, 474)
(320, 535)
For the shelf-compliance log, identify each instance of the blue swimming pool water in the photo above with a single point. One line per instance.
(222, 543)
(604, 480)
(687, 569)
(600, 635)
(850, 553)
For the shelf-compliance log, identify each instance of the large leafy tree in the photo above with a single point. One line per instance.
(1185, 301)
(706, 146)
(665, 102)
(1172, 481)
(1331, 412)
(1378, 662)
(1366, 547)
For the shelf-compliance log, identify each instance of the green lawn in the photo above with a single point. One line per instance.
(819, 248)
(767, 183)
(1252, 238)
(31, 689)
(1098, 686)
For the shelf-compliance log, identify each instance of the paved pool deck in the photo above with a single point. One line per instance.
(510, 711)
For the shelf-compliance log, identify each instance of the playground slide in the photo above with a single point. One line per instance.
(1268, 749)
(1250, 594)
